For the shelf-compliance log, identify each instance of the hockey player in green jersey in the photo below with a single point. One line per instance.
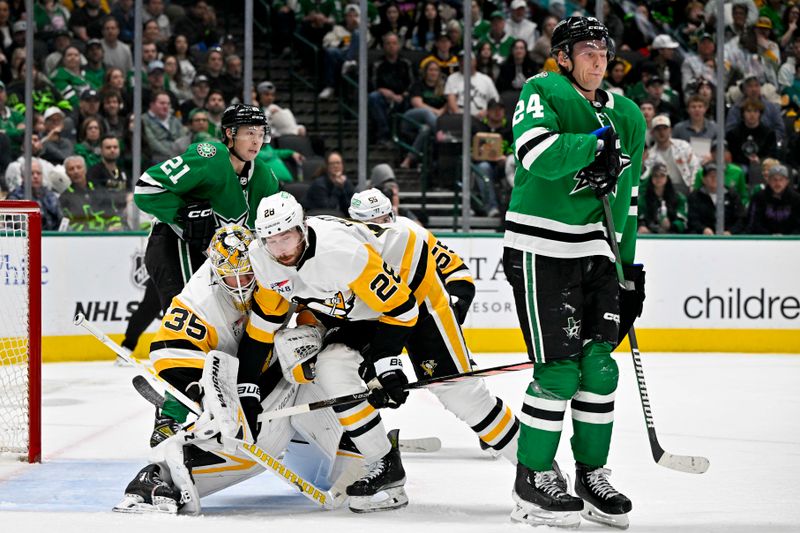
(210, 185)
(574, 144)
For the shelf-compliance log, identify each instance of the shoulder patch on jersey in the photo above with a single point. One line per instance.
(541, 75)
(207, 150)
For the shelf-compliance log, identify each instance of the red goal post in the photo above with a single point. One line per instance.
(20, 330)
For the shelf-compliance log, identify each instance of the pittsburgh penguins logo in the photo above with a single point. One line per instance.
(428, 366)
(338, 305)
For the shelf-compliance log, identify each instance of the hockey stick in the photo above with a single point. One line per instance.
(693, 464)
(327, 499)
(420, 445)
(359, 396)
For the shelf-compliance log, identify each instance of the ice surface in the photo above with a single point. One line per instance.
(740, 411)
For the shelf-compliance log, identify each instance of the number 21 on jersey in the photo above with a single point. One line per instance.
(534, 107)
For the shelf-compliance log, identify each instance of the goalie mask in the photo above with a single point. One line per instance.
(230, 263)
(281, 226)
(371, 206)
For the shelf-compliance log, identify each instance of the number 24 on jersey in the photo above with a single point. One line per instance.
(534, 107)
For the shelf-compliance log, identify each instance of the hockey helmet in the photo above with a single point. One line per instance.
(230, 263)
(278, 213)
(244, 115)
(573, 30)
(366, 206)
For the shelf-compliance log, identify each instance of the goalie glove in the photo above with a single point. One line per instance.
(602, 173)
(297, 350)
(197, 219)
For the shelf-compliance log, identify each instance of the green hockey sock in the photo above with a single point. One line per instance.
(174, 409)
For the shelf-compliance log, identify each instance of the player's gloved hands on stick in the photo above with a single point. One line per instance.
(198, 223)
(631, 302)
(392, 393)
(250, 399)
(602, 173)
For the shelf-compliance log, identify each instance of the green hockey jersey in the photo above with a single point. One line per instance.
(204, 172)
(552, 212)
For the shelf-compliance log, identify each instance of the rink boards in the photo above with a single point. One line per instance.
(703, 294)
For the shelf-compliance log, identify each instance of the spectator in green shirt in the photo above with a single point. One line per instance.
(12, 122)
(497, 37)
(273, 158)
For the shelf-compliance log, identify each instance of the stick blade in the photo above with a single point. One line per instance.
(421, 445)
(691, 464)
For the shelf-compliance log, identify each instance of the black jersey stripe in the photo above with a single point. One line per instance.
(509, 436)
(405, 307)
(174, 344)
(634, 200)
(272, 319)
(363, 429)
(488, 419)
(523, 150)
(542, 414)
(589, 407)
(422, 267)
(553, 235)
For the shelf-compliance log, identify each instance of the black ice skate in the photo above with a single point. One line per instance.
(603, 503)
(541, 499)
(163, 428)
(384, 476)
(148, 493)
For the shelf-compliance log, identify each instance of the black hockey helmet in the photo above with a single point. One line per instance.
(573, 30)
(244, 115)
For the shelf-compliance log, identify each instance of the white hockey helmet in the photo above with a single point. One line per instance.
(278, 213)
(230, 263)
(370, 204)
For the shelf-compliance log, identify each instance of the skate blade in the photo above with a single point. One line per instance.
(593, 514)
(133, 505)
(385, 500)
(528, 513)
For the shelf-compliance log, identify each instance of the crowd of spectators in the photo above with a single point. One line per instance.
(666, 55)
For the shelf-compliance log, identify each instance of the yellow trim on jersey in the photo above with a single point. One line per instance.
(268, 303)
(440, 306)
(360, 415)
(170, 362)
(467, 278)
(240, 464)
(181, 323)
(299, 375)
(349, 454)
(507, 417)
(383, 290)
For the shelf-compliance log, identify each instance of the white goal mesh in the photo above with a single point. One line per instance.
(19, 343)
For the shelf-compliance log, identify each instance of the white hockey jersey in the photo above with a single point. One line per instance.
(350, 271)
(200, 319)
(449, 264)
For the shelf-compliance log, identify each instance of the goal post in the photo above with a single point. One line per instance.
(20, 330)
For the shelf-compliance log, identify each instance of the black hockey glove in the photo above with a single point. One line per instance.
(197, 219)
(250, 398)
(602, 173)
(461, 295)
(631, 302)
(392, 380)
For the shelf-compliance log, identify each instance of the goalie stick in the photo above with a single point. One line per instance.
(328, 499)
(693, 464)
(357, 397)
(420, 445)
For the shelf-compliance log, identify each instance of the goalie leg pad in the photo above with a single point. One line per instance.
(222, 410)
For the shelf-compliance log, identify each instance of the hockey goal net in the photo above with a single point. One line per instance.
(20, 330)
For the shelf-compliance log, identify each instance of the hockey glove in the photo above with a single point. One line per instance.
(392, 380)
(631, 302)
(250, 399)
(461, 295)
(602, 173)
(197, 219)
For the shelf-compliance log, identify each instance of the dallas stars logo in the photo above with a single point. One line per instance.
(573, 329)
(582, 183)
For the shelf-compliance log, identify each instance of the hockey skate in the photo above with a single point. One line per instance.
(542, 501)
(163, 428)
(488, 450)
(148, 493)
(602, 502)
(385, 477)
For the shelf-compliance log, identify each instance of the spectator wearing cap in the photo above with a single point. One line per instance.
(339, 46)
(517, 68)
(703, 206)
(86, 21)
(735, 178)
(775, 210)
(69, 79)
(215, 107)
(156, 81)
(442, 54)
(770, 113)
(162, 130)
(89, 135)
(95, 70)
(428, 27)
(661, 208)
(638, 91)
(228, 45)
(12, 122)
(752, 140)
(89, 105)
(115, 52)
(122, 11)
(666, 100)
(179, 47)
(518, 26)
(107, 174)
(498, 38)
(330, 192)
(697, 125)
(281, 118)
(232, 82)
(767, 48)
(702, 64)
(677, 155)
(787, 74)
(42, 195)
(18, 41)
(55, 146)
(391, 78)
(483, 90)
(663, 57)
(428, 103)
(200, 89)
(214, 68)
(154, 10)
(61, 40)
